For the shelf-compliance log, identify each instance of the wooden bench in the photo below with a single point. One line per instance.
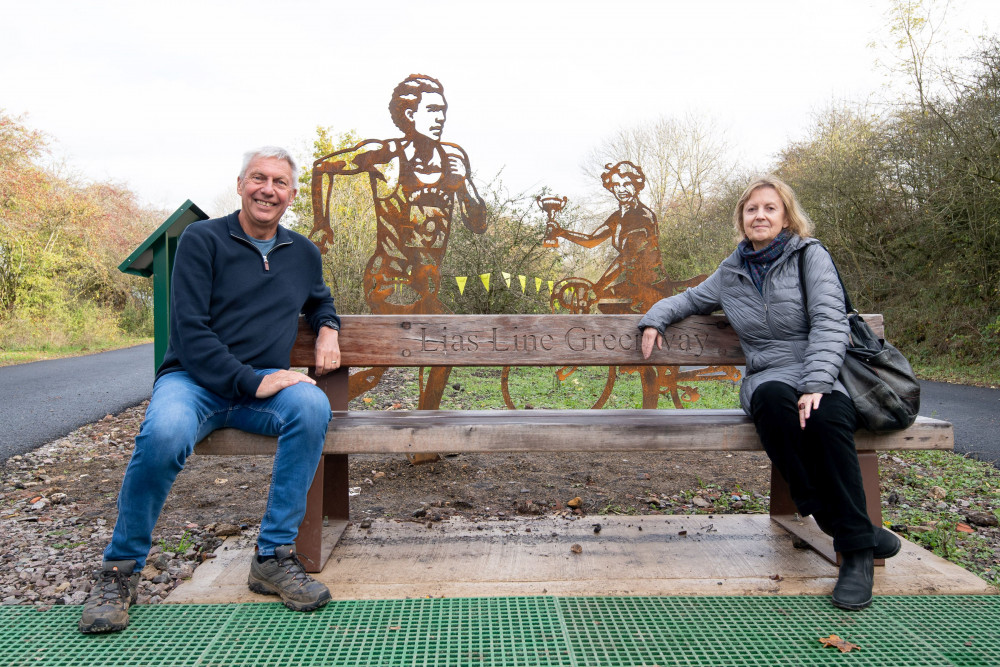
(536, 340)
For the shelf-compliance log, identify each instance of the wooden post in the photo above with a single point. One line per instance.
(163, 263)
(328, 499)
(155, 257)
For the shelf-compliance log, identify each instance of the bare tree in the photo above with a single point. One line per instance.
(917, 33)
(687, 165)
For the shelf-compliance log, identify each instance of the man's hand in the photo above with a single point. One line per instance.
(275, 382)
(649, 336)
(807, 403)
(327, 350)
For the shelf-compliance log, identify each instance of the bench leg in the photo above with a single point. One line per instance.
(309, 543)
(327, 512)
(784, 513)
(327, 503)
(336, 492)
(873, 490)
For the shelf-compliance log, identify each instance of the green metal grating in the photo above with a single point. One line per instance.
(629, 631)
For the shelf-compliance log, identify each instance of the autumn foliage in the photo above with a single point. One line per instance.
(60, 245)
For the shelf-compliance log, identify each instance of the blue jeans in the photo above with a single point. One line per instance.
(181, 413)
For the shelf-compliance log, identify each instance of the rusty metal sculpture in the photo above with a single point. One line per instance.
(632, 283)
(417, 183)
(551, 205)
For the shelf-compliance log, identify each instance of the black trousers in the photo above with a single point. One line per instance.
(820, 463)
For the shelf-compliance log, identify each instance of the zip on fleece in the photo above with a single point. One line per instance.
(267, 267)
(246, 241)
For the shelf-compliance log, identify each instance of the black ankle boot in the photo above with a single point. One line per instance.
(857, 577)
(887, 544)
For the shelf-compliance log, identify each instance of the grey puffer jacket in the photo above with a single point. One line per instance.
(777, 339)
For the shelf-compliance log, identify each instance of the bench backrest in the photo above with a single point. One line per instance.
(526, 340)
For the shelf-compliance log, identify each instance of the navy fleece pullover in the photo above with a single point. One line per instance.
(232, 310)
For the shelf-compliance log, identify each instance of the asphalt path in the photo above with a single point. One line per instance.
(974, 413)
(45, 400)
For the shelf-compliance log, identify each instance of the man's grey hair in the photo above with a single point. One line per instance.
(269, 151)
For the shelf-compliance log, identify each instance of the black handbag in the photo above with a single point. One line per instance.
(877, 376)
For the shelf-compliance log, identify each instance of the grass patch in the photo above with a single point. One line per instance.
(185, 542)
(68, 545)
(23, 355)
(540, 388)
(618, 510)
(983, 374)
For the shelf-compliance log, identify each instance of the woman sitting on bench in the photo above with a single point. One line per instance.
(803, 414)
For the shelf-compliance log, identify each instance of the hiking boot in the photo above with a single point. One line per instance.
(114, 591)
(857, 578)
(284, 575)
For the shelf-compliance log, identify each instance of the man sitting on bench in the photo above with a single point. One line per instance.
(240, 283)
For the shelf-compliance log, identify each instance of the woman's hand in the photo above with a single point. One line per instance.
(807, 403)
(649, 336)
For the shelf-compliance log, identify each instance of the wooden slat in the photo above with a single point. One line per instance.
(525, 340)
(371, 432)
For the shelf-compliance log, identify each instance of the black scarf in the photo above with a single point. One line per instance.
(759, 262)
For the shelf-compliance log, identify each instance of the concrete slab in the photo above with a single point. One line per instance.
(734, 554)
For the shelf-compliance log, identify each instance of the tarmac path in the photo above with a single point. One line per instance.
(45, 400)
(974, 411)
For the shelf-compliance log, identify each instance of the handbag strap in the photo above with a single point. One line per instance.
(848, 306)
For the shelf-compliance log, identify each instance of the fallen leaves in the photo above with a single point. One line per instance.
(842, 644)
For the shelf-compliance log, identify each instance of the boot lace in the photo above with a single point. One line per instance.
(294, 568)
(113, 585)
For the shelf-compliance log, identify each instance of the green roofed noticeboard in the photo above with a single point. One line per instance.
(155, 257)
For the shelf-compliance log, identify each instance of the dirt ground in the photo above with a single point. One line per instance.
(233, 490)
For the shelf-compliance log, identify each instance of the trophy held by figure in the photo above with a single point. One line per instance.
(551, 205)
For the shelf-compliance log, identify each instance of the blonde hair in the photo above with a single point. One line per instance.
(798, 220)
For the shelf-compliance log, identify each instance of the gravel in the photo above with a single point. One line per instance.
(56, 519)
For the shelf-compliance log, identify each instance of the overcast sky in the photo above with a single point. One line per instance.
(165, 97)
